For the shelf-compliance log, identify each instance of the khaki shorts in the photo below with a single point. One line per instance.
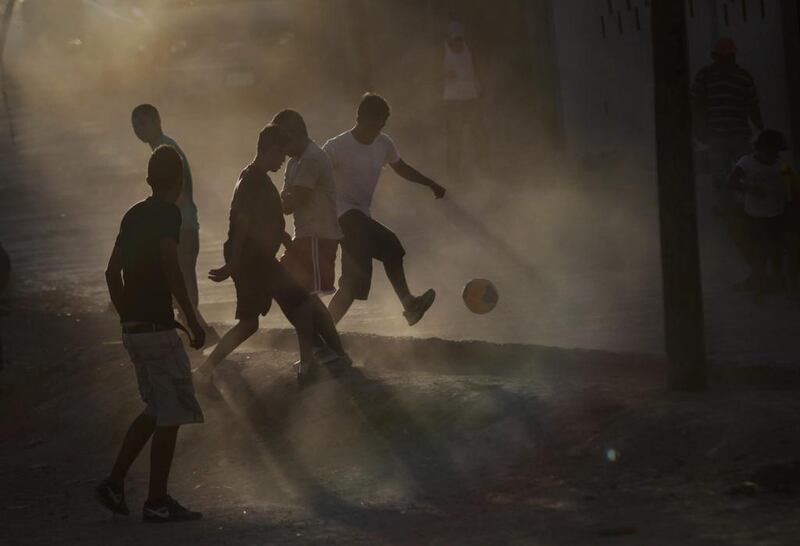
(165, 377)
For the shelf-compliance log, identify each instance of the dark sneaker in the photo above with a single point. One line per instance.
(112, 497)
(306, 371)
(166, 510)
(325, 355)
(416, 310)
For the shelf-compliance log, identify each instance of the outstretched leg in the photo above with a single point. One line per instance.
(229, 342)
(340, 304)
(397, 276)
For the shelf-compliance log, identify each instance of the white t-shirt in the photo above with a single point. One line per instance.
(769, 179)
(357, 168)
(461, 84)
(313, 170)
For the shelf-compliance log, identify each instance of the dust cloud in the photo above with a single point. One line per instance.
(572, 248)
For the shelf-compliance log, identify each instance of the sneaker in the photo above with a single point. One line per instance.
(342, 362)
(167, 509)
(325, 355)
(112, 497)
(417, 308)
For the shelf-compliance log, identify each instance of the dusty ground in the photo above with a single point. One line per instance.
(425, 442)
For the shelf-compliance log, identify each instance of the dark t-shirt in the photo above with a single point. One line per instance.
(148, 297)
(256, 199)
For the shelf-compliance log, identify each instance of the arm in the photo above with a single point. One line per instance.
(736, 180)
(404, 170)
(295, 198)
(116, 288)
(172, 270)
(231, 267)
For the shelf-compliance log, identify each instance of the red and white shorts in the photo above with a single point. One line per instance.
(311, 262)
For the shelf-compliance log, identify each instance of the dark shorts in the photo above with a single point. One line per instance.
(364, 240)
(311, 262)
(258, 283)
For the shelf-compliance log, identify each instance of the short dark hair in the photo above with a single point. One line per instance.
(373, 107)
(164, 167)
(272, 135)
(291, 121)
(146, 111)
(771, 139)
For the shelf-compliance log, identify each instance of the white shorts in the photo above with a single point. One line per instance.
(164, 374)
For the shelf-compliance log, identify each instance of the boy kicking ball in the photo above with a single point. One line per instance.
(358, 157)
(143, 275)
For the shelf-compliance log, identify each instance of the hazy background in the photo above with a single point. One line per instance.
(570, 239)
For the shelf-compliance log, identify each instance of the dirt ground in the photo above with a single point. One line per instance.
(427, 440)
(424, 442)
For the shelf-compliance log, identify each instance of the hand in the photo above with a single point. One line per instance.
(438, 191)
(220, 274)
(198, 335)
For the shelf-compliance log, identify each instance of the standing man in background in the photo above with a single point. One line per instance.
(726, 111)
(146, 123)
(462, 104)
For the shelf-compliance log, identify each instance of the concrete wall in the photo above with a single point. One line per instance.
(604, 57)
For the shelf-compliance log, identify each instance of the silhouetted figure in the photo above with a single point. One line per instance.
(462, 100)
(726, 110)
(255, 234)
(760, 178)
(146, 123)
(143, 276)
(358, 157)
(309, 195)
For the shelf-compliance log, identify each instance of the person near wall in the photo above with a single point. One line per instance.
(726, 110)
(462, 100)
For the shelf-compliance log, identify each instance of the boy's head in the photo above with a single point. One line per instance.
(272, 144)
(373, 111)
(724, 50)
(455, 36)
(165, 173)
(146, 123)
(769, 144)
(292, 122)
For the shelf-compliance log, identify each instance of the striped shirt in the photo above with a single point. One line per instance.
(725, 94)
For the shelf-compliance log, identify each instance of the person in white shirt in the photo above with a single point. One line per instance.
(760, 177)
(358, 157)
(461, 94)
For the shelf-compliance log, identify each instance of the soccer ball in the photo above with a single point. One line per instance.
(480, 296)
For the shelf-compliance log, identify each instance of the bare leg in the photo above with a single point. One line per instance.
(161, 452)
(324, 326)
(302, 318)
(229, 342)
(135, 439)
(397, 276)
(339, 305)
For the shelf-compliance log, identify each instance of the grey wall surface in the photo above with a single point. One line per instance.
(604, 55)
